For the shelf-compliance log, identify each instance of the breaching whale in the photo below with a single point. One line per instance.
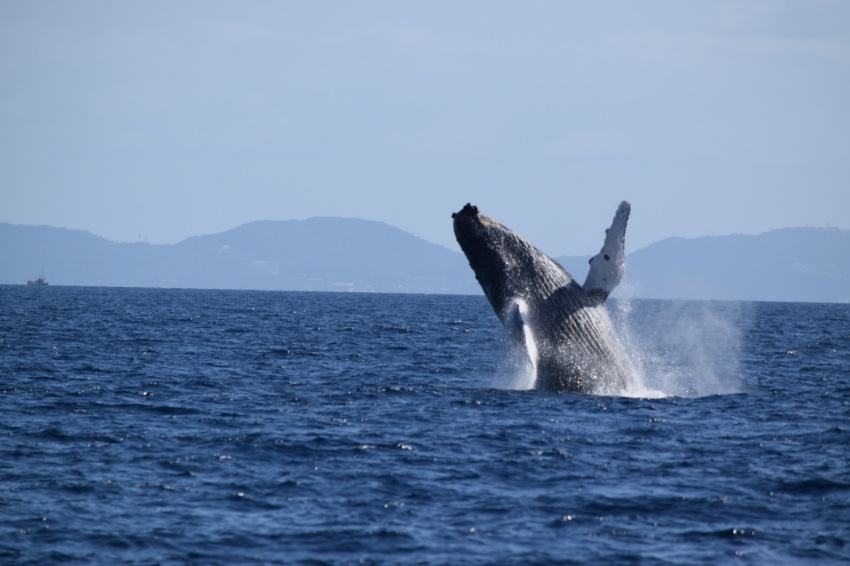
(563, 327)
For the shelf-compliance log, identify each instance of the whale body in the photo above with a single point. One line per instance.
(563, 327)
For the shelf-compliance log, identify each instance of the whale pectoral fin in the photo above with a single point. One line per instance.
(520, 330)
(515, 322)
(608, 267)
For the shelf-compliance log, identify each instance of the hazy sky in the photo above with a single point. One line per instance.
(163, 120)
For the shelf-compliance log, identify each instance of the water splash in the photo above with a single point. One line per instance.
(515, 371)
(681, 348)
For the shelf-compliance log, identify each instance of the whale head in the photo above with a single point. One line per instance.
(506, 265)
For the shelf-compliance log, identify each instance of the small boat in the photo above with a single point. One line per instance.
(42, 280)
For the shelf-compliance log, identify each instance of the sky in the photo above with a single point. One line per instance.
(156, 121)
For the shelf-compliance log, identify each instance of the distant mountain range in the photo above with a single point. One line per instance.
(339, 254)
(319, 254)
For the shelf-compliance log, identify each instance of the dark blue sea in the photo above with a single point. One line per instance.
(155, 426)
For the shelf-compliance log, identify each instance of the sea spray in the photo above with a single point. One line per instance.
(682, 348)
(514, 371)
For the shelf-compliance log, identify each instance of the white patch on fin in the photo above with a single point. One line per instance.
(523, 333)
(608, 267)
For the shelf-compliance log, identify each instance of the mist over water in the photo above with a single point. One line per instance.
(682, 348)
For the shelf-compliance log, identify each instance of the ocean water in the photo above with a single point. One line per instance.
(153, 426)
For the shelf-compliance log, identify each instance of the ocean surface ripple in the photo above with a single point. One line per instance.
(156, 426)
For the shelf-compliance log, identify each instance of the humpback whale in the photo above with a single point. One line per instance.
(563, 327)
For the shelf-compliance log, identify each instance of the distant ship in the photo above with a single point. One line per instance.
(42, 280)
